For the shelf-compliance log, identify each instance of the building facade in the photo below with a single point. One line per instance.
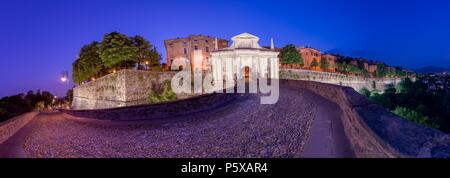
(194, 50)
(331, 62)
(309, 55)
(372, 69)
(243, 60)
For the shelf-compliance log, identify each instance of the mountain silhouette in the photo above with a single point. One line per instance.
(432, 69)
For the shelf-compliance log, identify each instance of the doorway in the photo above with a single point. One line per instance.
(246, 72)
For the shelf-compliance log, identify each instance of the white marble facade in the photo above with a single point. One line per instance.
(244, 60)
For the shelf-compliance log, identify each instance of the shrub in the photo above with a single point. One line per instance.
(364, 92)
(414, 116)
(161, 93)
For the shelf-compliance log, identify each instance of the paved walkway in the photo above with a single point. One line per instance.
(301, 124)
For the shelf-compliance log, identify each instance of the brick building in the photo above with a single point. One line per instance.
(372, 69)
(331, 62)
(309, 55)
(195, 49)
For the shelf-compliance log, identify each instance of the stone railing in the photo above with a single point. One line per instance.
(159, 110)
(356, 82)
(11, 126)
(375, 132)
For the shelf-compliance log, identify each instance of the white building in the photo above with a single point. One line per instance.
(244, 59)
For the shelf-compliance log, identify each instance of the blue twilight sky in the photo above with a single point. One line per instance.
(41, 38)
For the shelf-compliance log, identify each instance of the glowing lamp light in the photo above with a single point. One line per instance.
(64, 76)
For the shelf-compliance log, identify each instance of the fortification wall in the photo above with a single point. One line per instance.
(356, 82)
(373, 131)
(123, 88)
(158, 110)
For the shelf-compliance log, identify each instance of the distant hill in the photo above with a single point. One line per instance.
(432, 69)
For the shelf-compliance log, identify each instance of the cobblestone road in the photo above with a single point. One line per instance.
(242, 129)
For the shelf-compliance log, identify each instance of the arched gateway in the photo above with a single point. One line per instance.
(245, 59)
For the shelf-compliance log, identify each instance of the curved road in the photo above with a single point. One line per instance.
(301, 124)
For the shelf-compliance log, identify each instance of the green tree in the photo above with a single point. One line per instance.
(15, 105)
(30, 97)
(89, 64)
(399, 72)
(360, 64)
(69, 96)
(324, 64)
(365, 92)
(390, 72)
(411, 100)
(3, 114)
(381, 70)
(290, 55)
(118, 50)
(12, 106)
(314, 63)
(341, 67)
(146, 51)
(47, 98)
(414, 116)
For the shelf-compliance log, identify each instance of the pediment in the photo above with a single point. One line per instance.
(245, 36)
(245, 40)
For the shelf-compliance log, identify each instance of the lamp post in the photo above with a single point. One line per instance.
(65, 78)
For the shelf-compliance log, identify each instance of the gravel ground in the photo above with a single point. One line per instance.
(242, 129)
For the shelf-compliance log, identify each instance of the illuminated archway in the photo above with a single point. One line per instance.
(246, 73)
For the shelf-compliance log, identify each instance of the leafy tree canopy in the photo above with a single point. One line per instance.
(381, 70)
(15, 105)
(413, 101)
(314, 63)
(89, 64)
(146, 51)
(324, 64)
(117, 49)
(290, 55)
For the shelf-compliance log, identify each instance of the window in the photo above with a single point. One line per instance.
(195, 47)
(206, 41)
(185, 50)
(207, 49)
(185, 42)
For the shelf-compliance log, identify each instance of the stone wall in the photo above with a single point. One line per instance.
(11, 126)
(123, 88)
(356, 82)
(159, 110)
(373, 131)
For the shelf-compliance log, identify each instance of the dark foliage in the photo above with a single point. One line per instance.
(413, 101)
(15, 105)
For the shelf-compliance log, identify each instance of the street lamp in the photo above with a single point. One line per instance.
(64, 76)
